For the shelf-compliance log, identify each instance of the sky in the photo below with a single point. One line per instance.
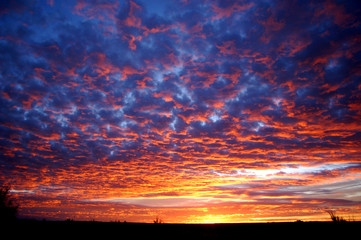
(193, 111)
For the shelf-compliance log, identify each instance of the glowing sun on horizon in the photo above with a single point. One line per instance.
(213, 219)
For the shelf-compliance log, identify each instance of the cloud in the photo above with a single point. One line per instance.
(189, 103)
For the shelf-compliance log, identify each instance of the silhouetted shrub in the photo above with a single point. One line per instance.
(335, 218)
(8, 209)
(157, 220)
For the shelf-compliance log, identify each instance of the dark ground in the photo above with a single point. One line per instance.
(113, 230)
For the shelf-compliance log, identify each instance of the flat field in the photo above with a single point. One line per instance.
(115, 230)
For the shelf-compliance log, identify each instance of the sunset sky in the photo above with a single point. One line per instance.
(190, 110)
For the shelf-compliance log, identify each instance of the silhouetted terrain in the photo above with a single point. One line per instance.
(105, 230)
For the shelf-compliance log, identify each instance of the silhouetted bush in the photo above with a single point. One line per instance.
(8, 208)
(157, 220)
(335, 218)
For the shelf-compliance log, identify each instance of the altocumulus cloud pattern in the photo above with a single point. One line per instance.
(194, 111)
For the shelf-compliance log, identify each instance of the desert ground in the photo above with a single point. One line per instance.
(116, 230)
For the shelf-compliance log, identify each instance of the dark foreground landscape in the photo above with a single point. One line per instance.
(114, 230)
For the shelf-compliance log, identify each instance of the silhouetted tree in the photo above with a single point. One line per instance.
(8, 209)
